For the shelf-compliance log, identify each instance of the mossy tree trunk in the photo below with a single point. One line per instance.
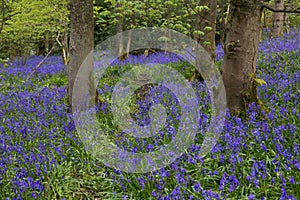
(241, 51)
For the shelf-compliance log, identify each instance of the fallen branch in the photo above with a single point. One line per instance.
(40, 64)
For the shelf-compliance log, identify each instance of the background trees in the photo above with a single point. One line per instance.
(33, 28)
(278, 18)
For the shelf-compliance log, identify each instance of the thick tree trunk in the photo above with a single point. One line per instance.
(81, 46)
(241, 49)
(278, 19)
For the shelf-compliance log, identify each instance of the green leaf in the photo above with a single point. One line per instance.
(208, 28)
(201, 8)
(198, 32)
(260, 81)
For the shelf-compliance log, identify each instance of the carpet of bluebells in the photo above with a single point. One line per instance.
(256, 157)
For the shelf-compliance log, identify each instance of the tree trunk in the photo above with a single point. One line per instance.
(41, 47)
(3, 15)
(223, 23)
(209, 20)
(206, 22)
(278, 19)
(128, 43)
(65, 47)
(241, 50)
(130, 36)
(81, 47)
(120, 30)
(288, 6)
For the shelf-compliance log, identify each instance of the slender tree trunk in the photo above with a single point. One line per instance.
(241, 50)
(209, 20)
(264, 24)
(278, 19)
(197, 27)
(65, 47)
(42, 47)
(288, 6)
(81, 46)
(223, 24)
(120, 30)
(3, 15)
(128, 43)
(206, 22)
(129, 38)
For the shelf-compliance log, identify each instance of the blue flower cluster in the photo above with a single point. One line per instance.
(34, 128)
(255, 158)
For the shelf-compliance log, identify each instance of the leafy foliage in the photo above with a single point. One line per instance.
(32, 23)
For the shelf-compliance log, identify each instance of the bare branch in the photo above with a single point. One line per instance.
(297, 10)
(57, 40)
(40, 64)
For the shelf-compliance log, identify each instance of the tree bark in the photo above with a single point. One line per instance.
(128, 44)
(278, 19)
(120, 30)
(81, 48)
(288, 6)
(206, 22)
(241, 50)
(209, 20)
(3, 15)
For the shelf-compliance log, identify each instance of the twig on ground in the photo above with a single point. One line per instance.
(40, 64)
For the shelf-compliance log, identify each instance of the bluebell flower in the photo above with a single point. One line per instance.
(251, 196)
